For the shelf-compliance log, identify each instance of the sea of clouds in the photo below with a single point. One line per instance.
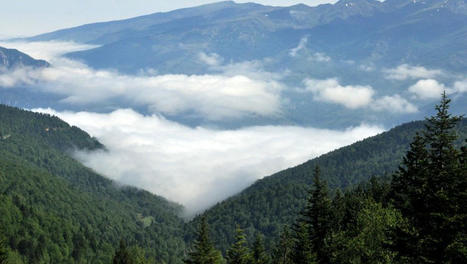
(199, 166)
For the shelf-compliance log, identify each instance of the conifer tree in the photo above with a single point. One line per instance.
(283, 249)
(203, 249)
(318, 214)
(302, 248)
(258, 253)
(3, 252)
(239, 252)
(429, 189)
(122, 255)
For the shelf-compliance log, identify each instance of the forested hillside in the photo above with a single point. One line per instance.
(417, 215)
(274, 201)
(54, 210)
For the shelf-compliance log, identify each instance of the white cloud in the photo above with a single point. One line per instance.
(46, 50)
(395, 104)
(198, 166)
(432, 89)
(321, 57)
(427, 89)
(405, 71)
(317, 56)
(213, 97)
(357, 96)
(330, 90)
(301, 45)
(460, 86)
(212, 59)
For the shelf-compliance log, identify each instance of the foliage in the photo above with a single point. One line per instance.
(55, 210)
(275, 201)
(238, 252)
(203, 250)
(258, 253)
(122, 256)
(430, 190)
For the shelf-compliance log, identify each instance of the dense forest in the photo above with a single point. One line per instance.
(54, 210)
(417, 215)
(266, 206)
(398, 197)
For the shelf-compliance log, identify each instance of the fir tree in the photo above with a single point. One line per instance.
(258, 253)
(203, 249)
(283, 249)
(429, 189)
(302, 248)
(122, 255)
(318, 214)
(239, 252)
(3, 252)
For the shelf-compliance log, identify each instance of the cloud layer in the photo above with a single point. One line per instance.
(198, 166)
(357, 96)
(331, 91)
(213, 97)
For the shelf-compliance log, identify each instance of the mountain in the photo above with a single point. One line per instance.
(270, 203)
(56, 210)
(12, 58)
(390, 33)
(355, 42)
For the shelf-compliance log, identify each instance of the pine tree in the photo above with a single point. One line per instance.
(283, 249)
(3, 252)
(258, 253)
(239, 252)
(318, 214)
(429, 189)
(203, 249)
(121, 255)
(409, 182)
(302, 248)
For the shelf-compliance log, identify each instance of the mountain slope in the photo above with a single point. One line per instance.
(240, 32)
(12, 58)
(58, 211)
(276, 200)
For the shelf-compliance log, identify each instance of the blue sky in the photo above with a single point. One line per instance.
(30, 17)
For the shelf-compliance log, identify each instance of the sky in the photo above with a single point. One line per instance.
(31, 17)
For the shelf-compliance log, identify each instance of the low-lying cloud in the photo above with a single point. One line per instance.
(317, 56)
(357, 96)
(330, 90)
(198, 166)
(210, 96)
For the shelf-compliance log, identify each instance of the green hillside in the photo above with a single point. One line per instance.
(54, 210)
(276, 200)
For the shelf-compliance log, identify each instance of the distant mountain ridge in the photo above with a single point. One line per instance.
(355, 42)
(12, 58)
(340, 30)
